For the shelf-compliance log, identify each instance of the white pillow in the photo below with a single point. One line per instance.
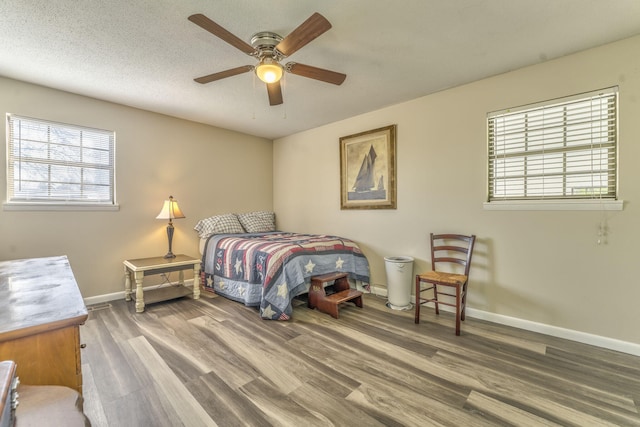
(258, 222)
(218, 224)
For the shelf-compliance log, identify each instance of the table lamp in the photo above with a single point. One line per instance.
(170, 210)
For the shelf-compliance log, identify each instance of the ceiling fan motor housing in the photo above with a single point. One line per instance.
(265, 43)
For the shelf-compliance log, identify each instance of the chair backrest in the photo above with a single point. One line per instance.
(452, 248)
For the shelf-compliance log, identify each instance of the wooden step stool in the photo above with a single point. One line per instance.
(319, 299)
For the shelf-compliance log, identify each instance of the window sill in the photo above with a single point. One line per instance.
(28, 206)
(554, 205)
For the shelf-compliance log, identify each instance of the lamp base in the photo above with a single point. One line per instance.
(170, 254)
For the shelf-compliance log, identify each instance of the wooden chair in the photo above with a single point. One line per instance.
(446, 249)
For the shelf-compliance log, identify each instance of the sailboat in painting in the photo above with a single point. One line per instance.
(364, 187)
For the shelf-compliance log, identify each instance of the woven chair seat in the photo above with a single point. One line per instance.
(440, 277)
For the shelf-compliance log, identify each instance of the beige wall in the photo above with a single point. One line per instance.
(538, 266)
(156, 156)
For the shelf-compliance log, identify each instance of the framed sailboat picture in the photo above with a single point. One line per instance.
(368, 169)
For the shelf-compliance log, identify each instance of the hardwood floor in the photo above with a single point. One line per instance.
(215, 362)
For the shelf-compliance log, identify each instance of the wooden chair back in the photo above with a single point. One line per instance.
(451, 249)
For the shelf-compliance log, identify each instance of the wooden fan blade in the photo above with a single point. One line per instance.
(315, 73)
(215, 29)
(307, 31)
(224, 74)
(275, 93)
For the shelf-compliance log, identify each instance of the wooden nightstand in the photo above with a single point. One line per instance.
(136, 269)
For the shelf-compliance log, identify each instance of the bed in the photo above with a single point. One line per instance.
(269, 269)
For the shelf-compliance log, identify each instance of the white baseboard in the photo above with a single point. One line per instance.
(378, 290)
(99, 299)
(554, 331)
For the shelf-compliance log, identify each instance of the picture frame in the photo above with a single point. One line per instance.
(368, 169)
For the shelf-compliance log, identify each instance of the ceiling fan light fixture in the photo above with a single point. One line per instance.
(269, 49)
(269, 70)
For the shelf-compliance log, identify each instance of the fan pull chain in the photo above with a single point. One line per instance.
(283, 84)
(253, 103)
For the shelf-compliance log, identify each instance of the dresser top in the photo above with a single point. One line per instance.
(38, 294)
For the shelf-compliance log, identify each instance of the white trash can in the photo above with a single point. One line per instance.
(399, 279)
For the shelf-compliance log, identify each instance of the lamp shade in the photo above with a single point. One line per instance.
(269, 70)
(170, 210)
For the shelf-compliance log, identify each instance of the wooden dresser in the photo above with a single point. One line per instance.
(41, 310)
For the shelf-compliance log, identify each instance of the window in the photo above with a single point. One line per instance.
(564, 149)
(59, 164)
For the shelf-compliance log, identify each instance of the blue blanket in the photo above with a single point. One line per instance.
(270, 269)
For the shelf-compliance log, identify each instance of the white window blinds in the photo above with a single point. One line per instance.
(59, 163)
(563, 149)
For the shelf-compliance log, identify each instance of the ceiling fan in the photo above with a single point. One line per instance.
(269, 49)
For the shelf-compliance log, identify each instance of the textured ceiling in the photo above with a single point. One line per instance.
(145, 53)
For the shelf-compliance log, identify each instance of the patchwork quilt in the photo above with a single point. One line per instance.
(270, 269)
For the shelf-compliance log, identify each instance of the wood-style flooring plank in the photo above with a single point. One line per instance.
(177, 394)
(141, 408)
(214, 361)
(537, 399)
(280, 408)
(228, 406)
(335, 410)
(110, 369)
(91, 397)
(505, 413)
